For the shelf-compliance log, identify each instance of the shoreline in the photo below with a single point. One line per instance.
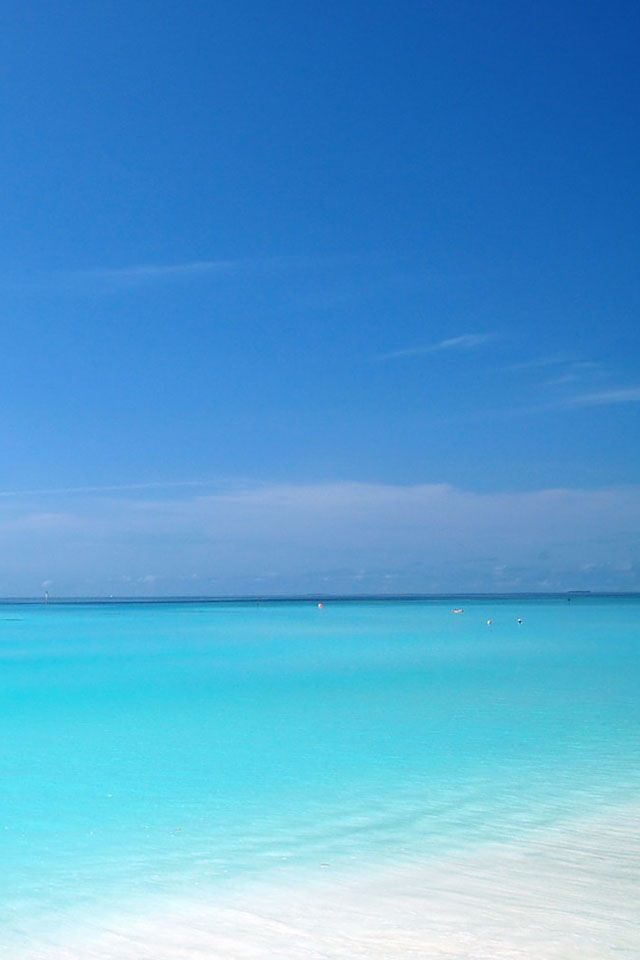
(565, 892)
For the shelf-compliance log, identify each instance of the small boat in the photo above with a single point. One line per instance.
(457, 610)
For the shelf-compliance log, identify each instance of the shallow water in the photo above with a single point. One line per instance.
(567, 892)
(156, 754)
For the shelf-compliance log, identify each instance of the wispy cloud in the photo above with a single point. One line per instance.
(465, 341)
(575, 371)
(113, 488)
(561, 380)
(541, 363)
(563, 374)
(602, 398)
(574, 401)
(538, 363)
(152, 272)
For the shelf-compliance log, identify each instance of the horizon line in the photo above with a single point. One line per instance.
(311, 597)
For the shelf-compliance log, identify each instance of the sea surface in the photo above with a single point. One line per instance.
(271, 779)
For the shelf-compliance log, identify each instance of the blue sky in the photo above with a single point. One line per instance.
(337, 297)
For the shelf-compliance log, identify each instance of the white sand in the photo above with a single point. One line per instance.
(567, 893)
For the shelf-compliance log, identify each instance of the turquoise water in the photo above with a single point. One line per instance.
(151, 748)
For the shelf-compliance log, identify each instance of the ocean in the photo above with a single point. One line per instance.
(271, 779)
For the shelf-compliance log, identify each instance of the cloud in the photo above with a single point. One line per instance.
(571, 373)
(146, 273)
(575, 371)
(153, 273)
(538, 363)
(160, 271)
(337, 537)
(570, 363)
(108, 488)
(603, 398)
(465, 341)
(561, 380)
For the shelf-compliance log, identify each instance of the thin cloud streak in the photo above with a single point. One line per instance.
(158, 272)
(151, 271)
(110, 488)
(465, 341)
(540, 363)
(602, 398)
(148, 272)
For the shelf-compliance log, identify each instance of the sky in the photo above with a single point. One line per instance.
(319, 298)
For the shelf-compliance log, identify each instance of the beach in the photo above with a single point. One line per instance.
(564, 893)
